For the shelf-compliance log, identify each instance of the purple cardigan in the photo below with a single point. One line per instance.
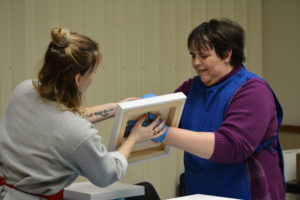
(250, 119)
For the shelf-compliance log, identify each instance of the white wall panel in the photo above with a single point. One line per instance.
(5, 54)
(281, 51)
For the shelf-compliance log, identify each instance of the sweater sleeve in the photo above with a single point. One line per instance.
(93, 161)
(250, 114)
(185, 86)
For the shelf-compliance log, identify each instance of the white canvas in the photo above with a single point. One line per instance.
(169, 106)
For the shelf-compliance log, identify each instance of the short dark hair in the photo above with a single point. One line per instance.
(220, 35)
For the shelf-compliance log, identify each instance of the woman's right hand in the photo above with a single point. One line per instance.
(142, 133)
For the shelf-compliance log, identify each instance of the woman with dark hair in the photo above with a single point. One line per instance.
(47, 137)
(230, 122)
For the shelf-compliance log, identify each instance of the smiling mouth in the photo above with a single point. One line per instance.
(201, 71)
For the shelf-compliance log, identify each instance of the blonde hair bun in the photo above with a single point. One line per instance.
(60, 36)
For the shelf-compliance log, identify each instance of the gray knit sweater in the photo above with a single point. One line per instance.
(43, 149)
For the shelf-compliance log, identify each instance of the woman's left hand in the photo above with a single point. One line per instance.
(129, 99)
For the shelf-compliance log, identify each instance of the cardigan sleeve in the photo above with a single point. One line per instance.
(250, 119)
(185, 86)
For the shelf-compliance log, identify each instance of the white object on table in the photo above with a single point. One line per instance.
(89, 191)
(290, 167)
(201, 197)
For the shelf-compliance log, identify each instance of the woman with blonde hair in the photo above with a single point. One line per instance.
(48, 138)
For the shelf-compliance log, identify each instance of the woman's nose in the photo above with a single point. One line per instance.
(196, 61)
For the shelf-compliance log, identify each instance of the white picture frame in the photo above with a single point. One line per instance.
(169, 106)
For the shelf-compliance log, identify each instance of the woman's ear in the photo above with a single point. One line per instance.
(227, 55)
(78, 79)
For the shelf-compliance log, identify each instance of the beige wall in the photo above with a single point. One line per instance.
(144, 48)
(281, 58)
